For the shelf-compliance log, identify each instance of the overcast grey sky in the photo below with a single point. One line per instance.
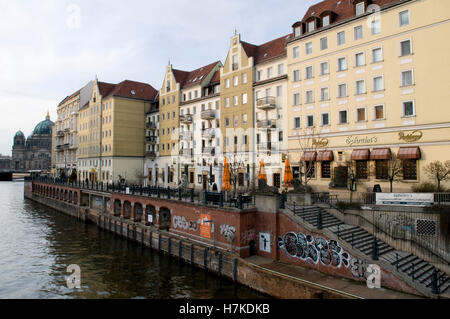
(51, 48)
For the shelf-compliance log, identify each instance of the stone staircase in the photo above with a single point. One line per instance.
(417, 270)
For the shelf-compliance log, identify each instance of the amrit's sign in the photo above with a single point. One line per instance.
(405, 199)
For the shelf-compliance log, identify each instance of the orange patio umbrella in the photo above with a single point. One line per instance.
(262, 173)
(288, 177)
(226, 186)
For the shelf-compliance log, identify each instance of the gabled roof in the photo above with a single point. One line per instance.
(188, 79)
(344, 9)
(267, 51)
(216, 77)
(134, 90)
(69, 97)
(105, 88)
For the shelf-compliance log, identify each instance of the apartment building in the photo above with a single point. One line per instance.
(152, 144)
(65, 138)
(112, 132)
(368, 86)
(183, 98)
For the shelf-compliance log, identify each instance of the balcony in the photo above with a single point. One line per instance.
(266, 124)
(73, 146)
(209, 133)
(59, 148)
(150, 155)
(266, 103)
(187, 152)
(186, 119)
(150, 139)
(209, 151)
(60, 132)
(150, 125)
(185, 135)
(208, 115)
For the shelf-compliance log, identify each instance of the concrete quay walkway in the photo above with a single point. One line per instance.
(352, 287)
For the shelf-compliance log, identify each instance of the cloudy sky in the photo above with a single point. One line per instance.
(51, 48)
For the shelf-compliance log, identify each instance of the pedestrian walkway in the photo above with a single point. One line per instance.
(352, 287)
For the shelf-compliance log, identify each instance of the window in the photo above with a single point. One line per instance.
(235, 100)
(235, 81)
(408, 108)
(360, 87)
(410, 169)
(407, 78)
(378, 84)
(227, 102)
(324, 68)
(235, 120)
(227, 83)
(310, 96)
(310, 169)
(361, 114)
(297, 32)
(326, 21)
(296, 99)
(343, 117)
(324, 94)
(323, 43)
(296, 52)
(279, 91)
(405, 48)
(244, 78)
(358, 32)
(377, 55)
(404, 18)
(311, 26)
(375, 27)
(360, 8)
(296, 75)
(227, 121)
(280, 69)
(379, 112)
(309, 72)
(258, 75)
(342, 90)
(310, 120)
(325, 119)
(297, 123)
(309, 48)
(360, 59)
(342, 64)
(244, 118)
(341, 38)
(361, 170)
(326, 169)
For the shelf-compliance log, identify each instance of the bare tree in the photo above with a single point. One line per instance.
(439, 171)
(309, 142)
(140, 176)
(237, 165)
(392, 171)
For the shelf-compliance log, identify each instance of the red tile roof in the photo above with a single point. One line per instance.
(105, 88)
(187, 79)
(345, 9)
(133, 90)
(267, 51)
(216, 77)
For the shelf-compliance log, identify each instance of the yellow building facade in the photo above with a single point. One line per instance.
(366, 88)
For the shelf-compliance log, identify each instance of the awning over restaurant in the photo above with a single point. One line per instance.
(409, 153)
(360, 155)
(325, 156)
(309, 156)
(380, 154)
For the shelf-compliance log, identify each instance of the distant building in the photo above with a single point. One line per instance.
(33, 153)
(5, 163)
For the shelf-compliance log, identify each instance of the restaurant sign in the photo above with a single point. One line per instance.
(356, 140)
(405, 199)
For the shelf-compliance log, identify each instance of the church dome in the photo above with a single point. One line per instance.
(44, 127)
(19, 134)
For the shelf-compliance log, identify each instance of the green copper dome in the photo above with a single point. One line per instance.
(44, 127)
(19, 134)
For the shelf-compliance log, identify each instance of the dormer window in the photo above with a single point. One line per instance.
(326, 21)
(360, 8)
(297, 32)
(311, 26)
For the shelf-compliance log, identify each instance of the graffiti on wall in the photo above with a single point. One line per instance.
(306, 247)
(248, 236)
(228, 232)
(181, 223)
(402, 222)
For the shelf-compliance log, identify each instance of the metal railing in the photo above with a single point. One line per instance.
(266, 123)
(208, 115)
(268, 102)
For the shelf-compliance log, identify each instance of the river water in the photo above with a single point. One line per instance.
(37, 244)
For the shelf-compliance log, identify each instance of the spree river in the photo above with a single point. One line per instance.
(37, 244)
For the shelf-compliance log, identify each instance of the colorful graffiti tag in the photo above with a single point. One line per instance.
(306, 247)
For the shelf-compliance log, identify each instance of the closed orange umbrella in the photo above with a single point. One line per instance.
(262, 173)
(226, 186)
(288, 177)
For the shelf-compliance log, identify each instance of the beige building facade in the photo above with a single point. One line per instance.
(368, 88)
